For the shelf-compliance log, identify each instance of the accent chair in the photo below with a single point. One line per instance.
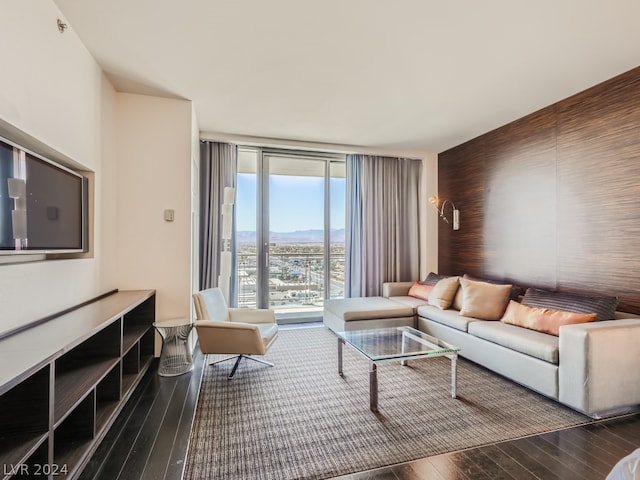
(240, 332)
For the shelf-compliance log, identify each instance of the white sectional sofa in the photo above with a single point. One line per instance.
(590, 367)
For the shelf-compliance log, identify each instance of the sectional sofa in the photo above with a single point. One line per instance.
(590, 366)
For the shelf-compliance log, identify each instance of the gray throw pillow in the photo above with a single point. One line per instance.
(603, 306)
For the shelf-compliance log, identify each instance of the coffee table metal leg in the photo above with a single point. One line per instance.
(454, 375)
(373, 387)
(340, 344)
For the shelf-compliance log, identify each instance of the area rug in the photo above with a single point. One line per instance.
(301, 420)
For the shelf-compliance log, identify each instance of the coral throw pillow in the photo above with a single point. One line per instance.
(420, 290)
(543, 320)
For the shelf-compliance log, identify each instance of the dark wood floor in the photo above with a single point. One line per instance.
(149, 440)
(150, 437)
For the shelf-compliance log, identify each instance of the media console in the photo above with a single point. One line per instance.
(62, 383)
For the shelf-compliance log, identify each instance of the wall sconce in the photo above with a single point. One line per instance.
(439, 205)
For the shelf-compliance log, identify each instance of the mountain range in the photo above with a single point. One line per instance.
(298, 236)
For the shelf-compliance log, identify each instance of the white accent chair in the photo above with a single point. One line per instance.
(236, 331)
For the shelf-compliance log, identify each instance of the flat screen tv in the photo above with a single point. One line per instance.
(42, 204)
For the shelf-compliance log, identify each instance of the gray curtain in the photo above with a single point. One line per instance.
(382, 238)
(218, 169)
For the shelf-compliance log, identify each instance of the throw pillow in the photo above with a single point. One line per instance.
(483, 300)
(458, 299)
(516, 290)
(544, 320)
(419, 290)
(434, 278)
(442, 293)
(604, 307)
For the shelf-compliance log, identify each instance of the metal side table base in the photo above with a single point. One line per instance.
(176, 357)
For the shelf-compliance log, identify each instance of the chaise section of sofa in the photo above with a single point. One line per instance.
(361, 313)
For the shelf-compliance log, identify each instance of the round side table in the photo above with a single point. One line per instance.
(175, 358)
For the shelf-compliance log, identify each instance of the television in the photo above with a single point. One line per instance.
(43, 204)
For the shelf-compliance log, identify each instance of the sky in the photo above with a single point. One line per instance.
(296, 203)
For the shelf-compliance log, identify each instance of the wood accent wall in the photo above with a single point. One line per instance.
(553, 199)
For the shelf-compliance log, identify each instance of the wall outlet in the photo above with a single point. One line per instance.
(169, 215)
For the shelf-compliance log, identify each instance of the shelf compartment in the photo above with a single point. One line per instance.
(137, 323)
(74, 436)
(24, 416)
(79, 370)
(147, 345)
(36, 466)
(130, 367)
(72, 386)
(108, 394)
(31, 449)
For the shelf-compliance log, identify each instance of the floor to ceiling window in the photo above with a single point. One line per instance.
(290, 219)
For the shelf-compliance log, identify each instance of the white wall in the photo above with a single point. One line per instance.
(154, 138)
(55, 101)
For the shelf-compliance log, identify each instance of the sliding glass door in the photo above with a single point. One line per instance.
(290, 231)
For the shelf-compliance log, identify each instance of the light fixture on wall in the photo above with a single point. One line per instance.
(439, 204)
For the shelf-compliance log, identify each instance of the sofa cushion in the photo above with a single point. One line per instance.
(604, 307)
(483, 300)
(443, 292)
(364, 308)
(412, 302)
(450, 318)
(543, 320)
(536, 344)
(420, 290)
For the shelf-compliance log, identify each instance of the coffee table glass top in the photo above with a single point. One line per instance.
(396, 343)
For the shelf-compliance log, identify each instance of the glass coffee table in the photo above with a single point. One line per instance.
(395, 344)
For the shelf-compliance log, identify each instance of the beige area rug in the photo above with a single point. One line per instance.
(301, 420)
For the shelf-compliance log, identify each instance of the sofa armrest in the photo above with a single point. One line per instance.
(395, 289)
(598, 372)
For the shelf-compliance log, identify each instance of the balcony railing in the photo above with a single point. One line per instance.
(296, 281)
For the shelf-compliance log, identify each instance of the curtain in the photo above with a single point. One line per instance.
(382, 238)
(218, 169)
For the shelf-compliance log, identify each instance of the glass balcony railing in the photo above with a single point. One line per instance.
(296, 281)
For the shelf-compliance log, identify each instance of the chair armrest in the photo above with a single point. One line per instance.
(395, 289)
(214, 324)
(229, 337)
(248, 315)
(598, 370)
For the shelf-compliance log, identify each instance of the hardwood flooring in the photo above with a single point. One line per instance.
(149, 440)
(580, 453)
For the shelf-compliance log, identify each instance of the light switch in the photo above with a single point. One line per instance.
(169, 215)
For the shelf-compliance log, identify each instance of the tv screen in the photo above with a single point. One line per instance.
(42, 204)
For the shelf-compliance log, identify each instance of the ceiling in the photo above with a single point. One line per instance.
(402, 75)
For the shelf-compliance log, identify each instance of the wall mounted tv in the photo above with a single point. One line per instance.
(42, 204)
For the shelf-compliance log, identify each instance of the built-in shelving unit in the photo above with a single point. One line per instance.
(62, 383)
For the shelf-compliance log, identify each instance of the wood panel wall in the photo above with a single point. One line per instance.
(553, 199)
